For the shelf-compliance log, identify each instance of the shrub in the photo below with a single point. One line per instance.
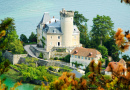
(50, 68)
(45, 58)
(52, 58)
(40, 55)
(56, 58)
(61, 50)
(61, 58)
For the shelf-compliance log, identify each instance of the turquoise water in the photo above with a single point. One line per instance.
(10, 83)
(28, 13)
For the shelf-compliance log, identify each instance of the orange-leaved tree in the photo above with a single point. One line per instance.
(126, 1)
(122, 40)
(95, 80)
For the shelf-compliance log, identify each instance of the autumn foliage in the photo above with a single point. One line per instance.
(126, 1)
(95, 80)
(122, 40)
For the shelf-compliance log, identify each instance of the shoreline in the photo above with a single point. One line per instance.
(16, 78)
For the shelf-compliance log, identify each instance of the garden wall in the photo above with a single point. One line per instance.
(14, 58)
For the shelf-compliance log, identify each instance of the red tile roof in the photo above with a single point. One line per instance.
(115, 66)
(86, 52)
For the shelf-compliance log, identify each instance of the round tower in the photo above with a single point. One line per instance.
(66, 27)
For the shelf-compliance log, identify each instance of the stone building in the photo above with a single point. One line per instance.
(58, 33)
(84, 56)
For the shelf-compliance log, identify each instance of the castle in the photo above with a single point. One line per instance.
(58, 33)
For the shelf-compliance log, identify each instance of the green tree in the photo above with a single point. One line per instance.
(103, 51)
(102, 60)
(106, 62)
(87, 69)
(43, 41)
(41, 55)
(126, 57)
(23, 38)
(84, 36)
(79, 19)
(10, 34)
(16, 47)
(102, 27)
(113, 49)
(77, 64)
(32, 38)
(81, 22)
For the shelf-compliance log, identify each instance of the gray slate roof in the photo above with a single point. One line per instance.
(54, 30)
(53, 27)
(45, 19)
(77, 74)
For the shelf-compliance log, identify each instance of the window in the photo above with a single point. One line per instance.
(75, 56)
(72, 55)
(74, 43)
(79, 57)
(92, 58)
(58, 37)
(82, 57)
(74, 37)
(51, 37)
(58, 43)
(51, 43)
(54, 31)
(85, 57)
(74, 29)
(89, 58)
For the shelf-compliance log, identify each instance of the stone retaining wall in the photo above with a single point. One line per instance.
(51, 72)
(14, 58)
(53, 63)
(37, 52)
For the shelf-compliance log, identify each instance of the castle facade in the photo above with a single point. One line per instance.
(58, 33)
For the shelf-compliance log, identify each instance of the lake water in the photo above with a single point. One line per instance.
(28, 13)
(10, 83)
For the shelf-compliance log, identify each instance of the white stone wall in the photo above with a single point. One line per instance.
(45, 36)
(76, 39)
(82, 60)
(108, 73)
(39, 35)
(14, 58)
(98, 56)
(53, 40)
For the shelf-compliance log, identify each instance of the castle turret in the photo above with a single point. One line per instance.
(46, 18)
(66, 27)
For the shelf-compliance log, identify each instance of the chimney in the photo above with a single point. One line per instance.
(55, 20)
(90, 53)
(76, 51)
(53, 16)
(43, 25)
(63, 10)
(49, 21)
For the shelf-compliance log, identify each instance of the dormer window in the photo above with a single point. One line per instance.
(90, 53)
(54, 31)
(76, 51)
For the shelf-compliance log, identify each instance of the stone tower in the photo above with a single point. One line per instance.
(46, 18)
(66, 27)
